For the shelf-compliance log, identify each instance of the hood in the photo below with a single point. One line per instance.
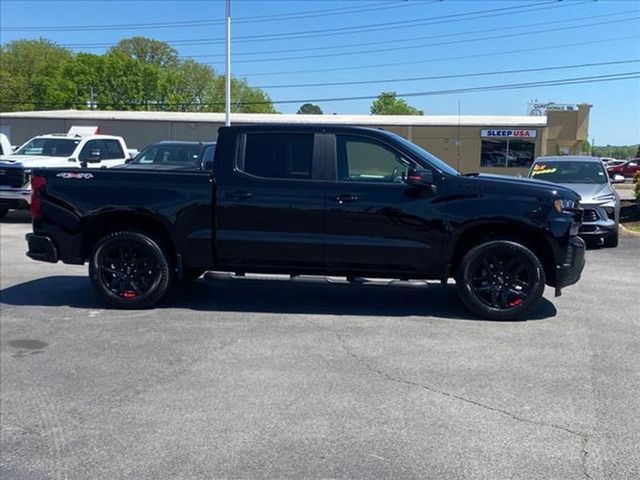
(33, 161)
(533, 187)
(590, 190)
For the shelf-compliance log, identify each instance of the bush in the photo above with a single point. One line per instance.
(636, 182)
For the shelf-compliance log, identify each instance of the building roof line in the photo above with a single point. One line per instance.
(208, 117)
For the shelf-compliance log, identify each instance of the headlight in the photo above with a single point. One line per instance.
(561, 204)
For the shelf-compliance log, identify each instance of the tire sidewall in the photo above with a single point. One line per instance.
(471, 300)
(160, 282)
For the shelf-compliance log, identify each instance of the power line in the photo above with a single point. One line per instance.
(452, 42)
(356, 29)
(402, 40)
(442, 77)
(211, 22)
(483, 88)
(441, 59)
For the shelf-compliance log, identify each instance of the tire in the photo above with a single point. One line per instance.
(500, 280)
(611, 241)
(3, 212)
(129, 270)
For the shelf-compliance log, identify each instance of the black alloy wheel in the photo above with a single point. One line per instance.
(129, 270)
(500, 279)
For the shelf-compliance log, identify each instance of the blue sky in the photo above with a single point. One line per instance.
(398, 40)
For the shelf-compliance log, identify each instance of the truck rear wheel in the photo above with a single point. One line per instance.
(500, 280)
(129, 270)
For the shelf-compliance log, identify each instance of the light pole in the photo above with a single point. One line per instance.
(227, 80)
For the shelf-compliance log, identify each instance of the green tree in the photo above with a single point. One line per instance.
(310, 109)
(388, 104)
(187, 87)
(32, 76)
(638, 152)
(121, 83)
(244, 99)
(147, 50)
(87, 72)
(137, 74)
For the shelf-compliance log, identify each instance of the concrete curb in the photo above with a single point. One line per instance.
(626, 232)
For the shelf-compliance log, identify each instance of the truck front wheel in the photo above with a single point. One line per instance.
(500, 280)
(129, 270)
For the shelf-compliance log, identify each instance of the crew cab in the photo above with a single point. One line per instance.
(313, 200)
(81, 147)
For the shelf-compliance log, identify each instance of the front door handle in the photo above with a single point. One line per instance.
(345, 198)
(239, 195)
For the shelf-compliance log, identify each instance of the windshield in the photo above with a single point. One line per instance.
(50, 147)
(169, 154)
(421, 152)
(569, 172)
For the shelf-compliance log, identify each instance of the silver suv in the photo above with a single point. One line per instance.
(589, 179)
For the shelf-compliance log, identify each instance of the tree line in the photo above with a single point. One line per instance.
(137, 73)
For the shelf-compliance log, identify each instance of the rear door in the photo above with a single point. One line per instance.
(375, 222)
(270, 201)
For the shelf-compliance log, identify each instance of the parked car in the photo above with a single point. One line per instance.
(627, 169)
(614, 163)
(316, 200)
(175, 155)
(588, 178)
(75, 149)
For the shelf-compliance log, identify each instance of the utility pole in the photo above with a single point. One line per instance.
(227, 83)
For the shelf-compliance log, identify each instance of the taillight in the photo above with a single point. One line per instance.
(37, 185)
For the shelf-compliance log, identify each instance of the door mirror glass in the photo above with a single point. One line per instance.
(419, 177)
(94, 156)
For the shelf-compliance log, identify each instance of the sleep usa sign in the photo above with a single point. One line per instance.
(509, 133)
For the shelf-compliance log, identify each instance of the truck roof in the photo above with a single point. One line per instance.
(77, 137)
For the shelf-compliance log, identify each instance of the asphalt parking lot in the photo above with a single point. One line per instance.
(263, 378)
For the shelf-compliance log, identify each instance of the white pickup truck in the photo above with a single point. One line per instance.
(81, 147)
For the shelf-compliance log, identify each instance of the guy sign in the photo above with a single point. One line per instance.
(509, 133)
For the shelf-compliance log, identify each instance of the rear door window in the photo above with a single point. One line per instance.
(285, 156)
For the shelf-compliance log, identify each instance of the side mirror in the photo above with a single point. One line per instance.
(419, 177)
(617, 178)
(128, 160)
(93, 157)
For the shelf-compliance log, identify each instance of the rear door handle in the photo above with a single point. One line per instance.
(345, 198)
(239, 195)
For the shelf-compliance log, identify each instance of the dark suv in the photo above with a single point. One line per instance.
(174, 155)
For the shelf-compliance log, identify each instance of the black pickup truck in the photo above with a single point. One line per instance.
(313, 200)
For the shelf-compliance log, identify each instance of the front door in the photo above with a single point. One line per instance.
(270, 202)
(375, 222)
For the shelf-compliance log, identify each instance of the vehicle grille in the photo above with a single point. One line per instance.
(590, 215)
(12, 177)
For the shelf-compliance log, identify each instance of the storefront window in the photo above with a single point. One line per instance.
(507, 153)
(508, 148)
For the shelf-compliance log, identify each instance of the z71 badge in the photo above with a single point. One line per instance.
(81, 176)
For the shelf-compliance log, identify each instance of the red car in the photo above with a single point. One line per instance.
(628, 169)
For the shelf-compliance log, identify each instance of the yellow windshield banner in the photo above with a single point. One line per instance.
(541, 169)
